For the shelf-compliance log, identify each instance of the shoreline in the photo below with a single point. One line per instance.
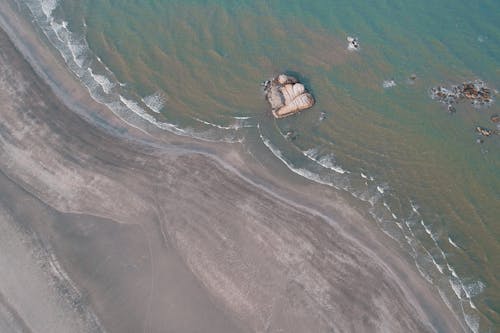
(229, 158)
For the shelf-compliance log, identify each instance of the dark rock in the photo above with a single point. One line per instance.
(322, 116)
(476, 92)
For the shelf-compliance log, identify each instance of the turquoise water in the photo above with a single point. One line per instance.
(194, 68)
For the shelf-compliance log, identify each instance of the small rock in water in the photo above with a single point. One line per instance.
(322, 116)
(495, 118)
(483, 131)
(451, 109)
(479, 141)
(353, 43)
(412, 79)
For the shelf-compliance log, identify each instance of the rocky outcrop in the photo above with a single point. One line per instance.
(476, 92)
(287, 96)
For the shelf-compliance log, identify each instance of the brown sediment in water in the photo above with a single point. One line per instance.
(155, 234)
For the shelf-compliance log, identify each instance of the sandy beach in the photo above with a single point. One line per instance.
(105, 228)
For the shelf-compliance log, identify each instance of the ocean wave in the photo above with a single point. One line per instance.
(155, 102)
(365, 176)
(107, 90)
(326, 161)
(235, 126)
(300, 171)
(382, 188)
(78, 56)
(453, 243)
(103, 81)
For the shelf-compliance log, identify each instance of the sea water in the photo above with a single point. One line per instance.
(195, 67)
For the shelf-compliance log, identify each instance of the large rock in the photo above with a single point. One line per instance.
(287, 96)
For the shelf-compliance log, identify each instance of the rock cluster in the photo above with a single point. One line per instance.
(476, 92)
(484, 131)
(287, 96)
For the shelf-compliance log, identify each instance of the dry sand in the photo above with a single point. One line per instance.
(102, 228)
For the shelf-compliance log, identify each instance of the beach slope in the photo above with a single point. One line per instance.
(104, 233)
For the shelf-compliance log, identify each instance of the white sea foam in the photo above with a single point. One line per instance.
(326, 161)
(155, 102)
(103, 81)
(234, 126)
(388, 84)
(453, 243)
(365, 176)
(456, 285)
(433, 237)
(300, 171)
(414, 207)
(473, 289)
(48, 6)
(452, 270)
(438, 266)
(380, 189)
(472, 321)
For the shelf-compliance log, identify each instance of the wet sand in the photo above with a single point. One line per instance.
(105, 228)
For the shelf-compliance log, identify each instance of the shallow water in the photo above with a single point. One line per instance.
(194, 68)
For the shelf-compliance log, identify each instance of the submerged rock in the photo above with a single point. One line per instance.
(495, 118)
(322, 116)
(474, 91)
(287, 96)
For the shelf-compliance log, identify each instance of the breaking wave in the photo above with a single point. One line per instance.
(407, 229)
(402, 225)
(155, 102)
(326, 161)
(101, 82)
